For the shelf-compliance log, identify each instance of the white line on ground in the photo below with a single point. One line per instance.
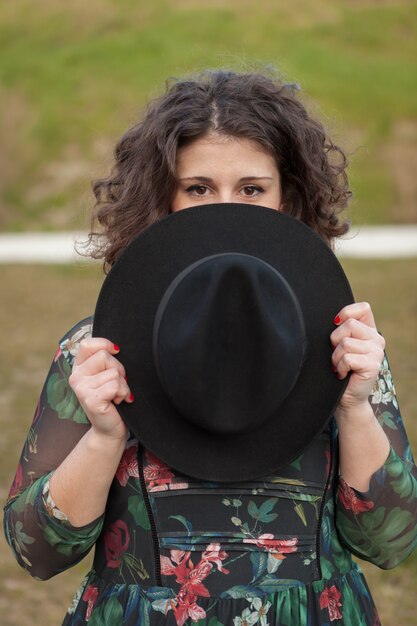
(59, 247)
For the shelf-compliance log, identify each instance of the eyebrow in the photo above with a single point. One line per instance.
(205, 179)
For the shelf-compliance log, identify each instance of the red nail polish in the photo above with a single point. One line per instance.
(116, 347)
(337, 320)
(131, 397)
(334, 368)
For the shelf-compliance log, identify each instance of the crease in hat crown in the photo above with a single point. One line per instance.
(228, 342)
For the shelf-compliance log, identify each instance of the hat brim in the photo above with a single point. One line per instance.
(126, 310)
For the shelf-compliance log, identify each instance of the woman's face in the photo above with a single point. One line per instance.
(217, 168)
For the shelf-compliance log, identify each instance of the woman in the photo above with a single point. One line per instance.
(277, 550)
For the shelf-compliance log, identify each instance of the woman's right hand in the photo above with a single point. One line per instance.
(98, 380)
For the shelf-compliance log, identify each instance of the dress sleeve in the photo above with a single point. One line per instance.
(41, 537)
(380, 525)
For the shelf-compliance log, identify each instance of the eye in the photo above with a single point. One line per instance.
(250, 191)
(197, 190)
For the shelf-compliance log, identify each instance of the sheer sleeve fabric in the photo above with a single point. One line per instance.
(42, 539)
(381, 525)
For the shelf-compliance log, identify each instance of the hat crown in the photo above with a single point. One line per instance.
(229, 342)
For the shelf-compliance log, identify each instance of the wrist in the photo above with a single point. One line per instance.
(105, 443)
(362, 413)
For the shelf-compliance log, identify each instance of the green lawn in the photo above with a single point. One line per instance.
(74, 76)
(42, 302)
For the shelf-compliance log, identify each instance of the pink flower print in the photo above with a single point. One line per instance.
(195, 576)
(351, 501)
(276, 547)
(191, 579)
(90, 596)
(329, 599)
(167, 565)
(185, 606)
(128, 465)
(158, 475)
(116, 542)
(214, 554)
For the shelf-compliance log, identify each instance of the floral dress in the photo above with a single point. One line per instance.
(173, 550)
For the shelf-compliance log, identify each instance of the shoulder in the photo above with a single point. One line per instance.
(69, 343)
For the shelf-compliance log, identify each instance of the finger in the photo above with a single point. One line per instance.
(92, 345)
(99, 400)
(358, 310)
(365, 365)
(95, 372)
(122, 390)
(98, 362)
(356, 329)
(101, 378)
(352, 345)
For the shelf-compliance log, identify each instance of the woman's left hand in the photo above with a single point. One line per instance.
(359, 349)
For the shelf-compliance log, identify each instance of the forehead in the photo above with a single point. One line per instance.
(220, 150)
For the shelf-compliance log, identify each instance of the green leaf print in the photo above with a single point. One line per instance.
(262, 514)
(63, 400)
(54, 540)
(158, 593)
(404, 484)
(110, 612)
(290, 613)
(259, 562)
(137, 508)
(350, 609)
(387, 418)
(296, 464)
(379, 534)
(240, 591)
(299, 509)
(341, 557)
(21, 537)
(28, 497)
(64, 539)
(163, 605)
(289, 481)
(270, 584)
(327, 568)
(214, 622)
(184, 521)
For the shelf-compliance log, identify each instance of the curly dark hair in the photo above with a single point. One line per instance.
(140, 187)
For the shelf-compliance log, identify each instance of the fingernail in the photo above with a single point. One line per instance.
(116, 347)
(340, 377)
(125, 378)
(131, 397)
(334, 368)
(337, 320)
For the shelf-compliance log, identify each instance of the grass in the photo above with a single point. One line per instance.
(74, 76)
(42, 302)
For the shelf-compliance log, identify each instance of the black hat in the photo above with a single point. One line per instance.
(223, 315)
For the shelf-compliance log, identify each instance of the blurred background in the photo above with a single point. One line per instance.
(74, 76)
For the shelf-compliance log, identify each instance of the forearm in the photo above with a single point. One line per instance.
(80, 485)
(363, 445)
(42, 542)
